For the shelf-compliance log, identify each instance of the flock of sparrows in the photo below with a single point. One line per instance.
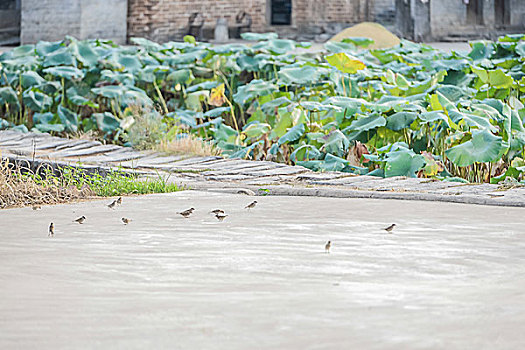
(219, 214)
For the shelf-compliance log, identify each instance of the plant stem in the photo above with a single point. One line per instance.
(162, 101)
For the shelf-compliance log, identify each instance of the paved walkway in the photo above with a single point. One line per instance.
(261, 177)
(449, 277)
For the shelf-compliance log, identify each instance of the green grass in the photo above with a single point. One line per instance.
(114, 183)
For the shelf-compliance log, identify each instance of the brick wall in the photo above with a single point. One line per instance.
(163, 20)
(168, 19)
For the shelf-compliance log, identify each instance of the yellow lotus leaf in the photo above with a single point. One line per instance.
(217, 97)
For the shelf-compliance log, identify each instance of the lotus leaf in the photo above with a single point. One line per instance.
(483, 147)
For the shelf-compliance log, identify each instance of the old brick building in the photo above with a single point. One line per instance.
(28, 21)
(168, 19)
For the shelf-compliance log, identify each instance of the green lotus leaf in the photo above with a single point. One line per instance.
(293, 134)
(66, 72)
(472, 120)
(305, 153)
(68, 118)
(269, 106)
(256, 130)
(433, 116)
(106, 122)
(214, 113)
(276, 46)
(338, 47)
(364, 123)
(499, 80)
(30, 79)
(186, 117)
(259, 36)
(147, 44)
(130, 63)
(359, 41)
(302, 75)
(403, 163)
(9, 96)
(36, 100)
(84, 53)
(336, 143)
(181, 76)
(316, 106)
(226, 133)
(61, 57)
(400, 120)
(117, 77)
(254, 89)
(45, 48)
(43, 118)
(483, 147)
(109, 91)
(45, 127)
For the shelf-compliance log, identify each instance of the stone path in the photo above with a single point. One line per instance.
(262, 177)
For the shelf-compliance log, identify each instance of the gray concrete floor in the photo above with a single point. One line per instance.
(450, 277)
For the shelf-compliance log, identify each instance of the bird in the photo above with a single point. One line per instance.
(36, 207)
(217, 211)
(220, 216)
(187, 213)
(390, 228)
(126, 221)
(81, 219)
(327, 246)
(51, 230)
(251, 205)
(112, 204)
(119, 200)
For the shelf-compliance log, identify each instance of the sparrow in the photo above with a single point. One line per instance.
(217, 211)
(390, 228)
(220, 216)
(126, 221)
(112, 204)
(119, 200)
(51, 230)
(81, 219)
(251, 205)
(327, 247)
(36, 207)
(187, 213)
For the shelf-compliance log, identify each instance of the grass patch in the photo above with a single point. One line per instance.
(189, 144)
(114, 183)
(18, 189)
(23, 188)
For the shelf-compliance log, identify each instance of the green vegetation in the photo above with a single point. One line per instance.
(410, 110)
(114, 183)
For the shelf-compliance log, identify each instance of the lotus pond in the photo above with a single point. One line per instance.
(406, 111)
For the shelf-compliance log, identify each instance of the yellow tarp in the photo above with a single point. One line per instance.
(381, 36)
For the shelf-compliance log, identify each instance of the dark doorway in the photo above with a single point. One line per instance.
(475, 12)
(9, 22)
(281, 12)
(502, 12)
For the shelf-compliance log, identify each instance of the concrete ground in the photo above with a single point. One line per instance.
(449, 277)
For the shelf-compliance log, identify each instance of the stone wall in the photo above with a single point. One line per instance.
(105, 19)
(51, 20)
(450, 20)
(168, 19)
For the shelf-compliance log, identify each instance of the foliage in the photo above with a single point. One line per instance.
(415, 110)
